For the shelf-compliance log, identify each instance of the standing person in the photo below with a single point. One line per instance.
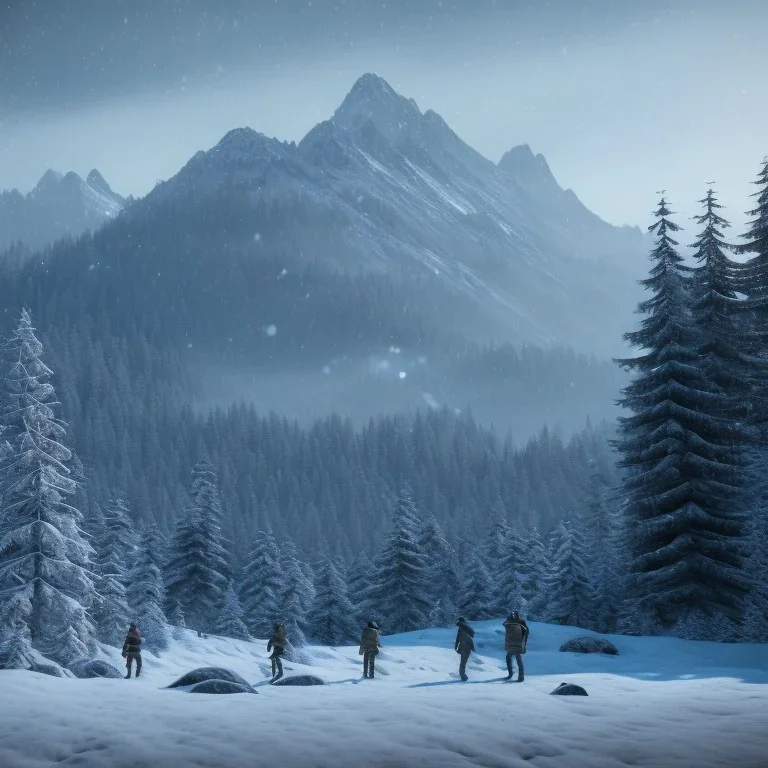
(515, 640)
(464, 645)
(277, 644)
(132, 650)
(370, 643)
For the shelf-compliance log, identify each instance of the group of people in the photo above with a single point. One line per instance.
(515, 641)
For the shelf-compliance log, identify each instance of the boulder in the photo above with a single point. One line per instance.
(569, 689)
(589, 644)
(221, 686)
(300, 680)
(208, 673)
(88, 668)
(48, 669)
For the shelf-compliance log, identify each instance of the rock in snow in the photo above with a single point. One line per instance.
(221, 686)
(48, 669)
(569, 689)
(300, 680)
(88, 668)
(209, 673)
(589, 644)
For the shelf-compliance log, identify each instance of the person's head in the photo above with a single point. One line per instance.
(132, 626)
(279, 627)
(461, 621)
(514, 616)
(372, 625)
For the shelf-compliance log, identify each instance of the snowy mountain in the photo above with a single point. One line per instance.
(661, 702)
(383, 188)
(58, 205)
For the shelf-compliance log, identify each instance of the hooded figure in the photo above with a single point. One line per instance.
(277, 644)
(515, 640)
(370, 643)
(464, 645)
(132, 650)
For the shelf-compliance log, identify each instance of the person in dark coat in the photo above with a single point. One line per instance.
(277, 644)
(370, 643)
(465, 644)
(515, 640)
(132, 650)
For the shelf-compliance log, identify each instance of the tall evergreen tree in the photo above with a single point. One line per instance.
(601, 522)
(475, 599)
(198, 570)
(441, 573)
(263, 586)
(399, 591)
(534, 570)
(332, 618)
(509, 593)
(571, 598)
(43, 554)
(230, 622)
(296, 596)
(495, 554)
(716, 312)
(146, 593)
(359, 578)
(683, 478)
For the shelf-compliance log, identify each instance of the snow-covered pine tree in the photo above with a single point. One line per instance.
(295, 598)
(115, 549)
(495, 552)
(475, 599)
(441, 574)
(230, 623)
(43, 555)
(146, 593)
(600, 520)
(197, 572)
(399, 595)
(752, 280)
(717, 313)
(535, 566)
(571, 598)
(263, 586)
(332, 618)
(684, 472)
(15, 638)
(176, 615)
(359, 578)
(510, 578)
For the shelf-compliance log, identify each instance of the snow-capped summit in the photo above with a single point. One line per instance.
(373, 99)
(58, 205)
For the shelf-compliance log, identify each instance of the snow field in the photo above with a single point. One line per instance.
(662, 702)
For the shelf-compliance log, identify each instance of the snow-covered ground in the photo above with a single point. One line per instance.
(662, 702)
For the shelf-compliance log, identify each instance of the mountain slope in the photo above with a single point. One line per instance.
(383, 188)
(368, 264)
(57, 206)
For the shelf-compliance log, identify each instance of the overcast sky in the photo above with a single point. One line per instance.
(622, 97)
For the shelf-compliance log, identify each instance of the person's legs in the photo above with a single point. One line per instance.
(128, 664)
(509, 666)
(371, 665)
(138, 664)
(463, 664)
(279, 665)
(520, 670)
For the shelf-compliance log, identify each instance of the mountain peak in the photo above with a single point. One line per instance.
(373, 99)
(97, 181)
(521, 162)
(48, 181)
